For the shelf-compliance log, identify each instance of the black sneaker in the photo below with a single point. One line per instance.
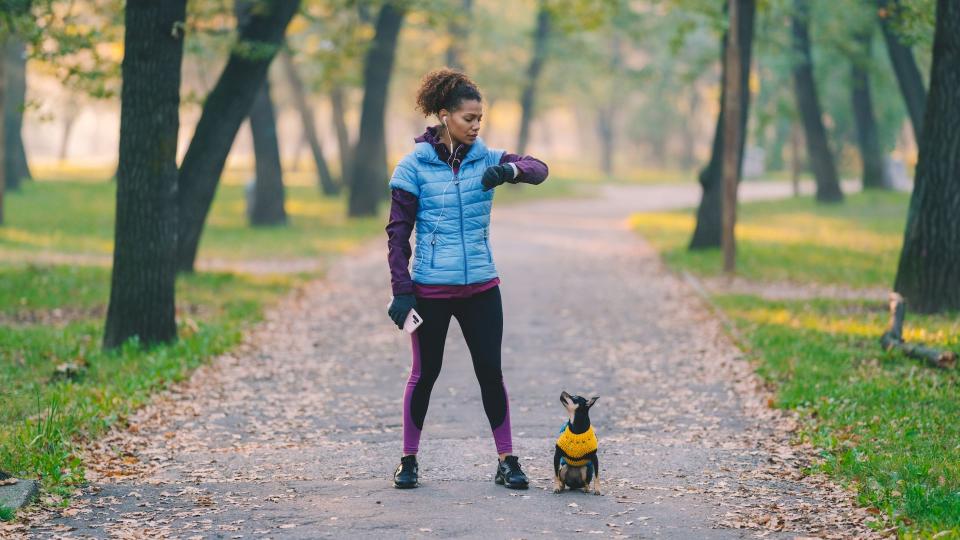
(510, 475)
(406, 474)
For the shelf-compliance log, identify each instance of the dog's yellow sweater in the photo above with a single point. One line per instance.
(577, 445)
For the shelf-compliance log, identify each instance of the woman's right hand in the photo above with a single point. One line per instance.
(400, 307)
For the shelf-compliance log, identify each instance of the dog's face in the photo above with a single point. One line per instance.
(577, 405)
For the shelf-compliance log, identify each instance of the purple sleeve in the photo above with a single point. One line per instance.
(403, 215)
(530, 170)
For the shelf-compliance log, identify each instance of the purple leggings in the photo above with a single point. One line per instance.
(481, 320)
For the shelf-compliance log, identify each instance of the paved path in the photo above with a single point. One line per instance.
(297, 434)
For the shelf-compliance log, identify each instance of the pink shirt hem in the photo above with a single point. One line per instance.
(453, 291)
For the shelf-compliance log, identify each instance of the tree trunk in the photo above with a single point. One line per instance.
(605, 133)
(368, 175)
(808, 105)
(69, 118)
(339, 111)
(781, 134)
(459, 32)
(928, 275)
(327, 185)
(224, 110)
(707, 233)
(3, 172)
(905, 68)
(266, 206)
(893, 339)
(144, 271)
(795, 159)
(16, 156)
(607, 111)
(874, 172)
(298, 151)
(688, 159)
(732, 133)
(527, 104)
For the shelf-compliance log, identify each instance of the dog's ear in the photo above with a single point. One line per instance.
(592, 400)
(566, 399)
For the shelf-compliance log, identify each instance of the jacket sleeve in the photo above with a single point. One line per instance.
(403, 215)
(530, 170)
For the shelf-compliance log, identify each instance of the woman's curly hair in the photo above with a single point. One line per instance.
(445, 88)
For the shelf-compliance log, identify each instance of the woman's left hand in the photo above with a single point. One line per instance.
(496, 175)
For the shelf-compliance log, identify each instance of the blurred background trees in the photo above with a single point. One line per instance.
(604, 92)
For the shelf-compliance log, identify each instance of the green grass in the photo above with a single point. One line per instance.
(886, 425)
(77, 217)
(855, 244)
(44, 415)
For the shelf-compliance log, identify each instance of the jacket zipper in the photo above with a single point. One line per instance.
(433, 250)
(463, 241)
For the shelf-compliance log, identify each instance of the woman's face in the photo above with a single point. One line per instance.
(464, 123)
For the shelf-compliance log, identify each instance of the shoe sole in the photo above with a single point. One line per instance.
(499, 481)
(401, 486)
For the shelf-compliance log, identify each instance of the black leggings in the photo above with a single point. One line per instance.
(481, 320)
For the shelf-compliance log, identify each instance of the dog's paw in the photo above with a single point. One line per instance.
(597, 492)
(557, 490)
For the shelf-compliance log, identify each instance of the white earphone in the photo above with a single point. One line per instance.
(444, 120)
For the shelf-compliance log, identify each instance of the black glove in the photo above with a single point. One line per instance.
(400, 307)
(496, 175)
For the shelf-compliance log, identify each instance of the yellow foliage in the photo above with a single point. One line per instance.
(815, 322)
(297, 25)
(665, 221)
(48, 240)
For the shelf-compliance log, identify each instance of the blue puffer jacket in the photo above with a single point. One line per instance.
(453, 215)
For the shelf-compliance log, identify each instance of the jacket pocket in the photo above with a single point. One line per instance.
(433, 252)
(486, 243)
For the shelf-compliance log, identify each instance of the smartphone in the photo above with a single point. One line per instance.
(413, 321)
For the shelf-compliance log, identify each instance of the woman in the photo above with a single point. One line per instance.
(444, 188)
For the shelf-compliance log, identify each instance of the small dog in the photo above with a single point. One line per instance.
(575, 462)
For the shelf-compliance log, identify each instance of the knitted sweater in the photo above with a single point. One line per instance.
(576, 445)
